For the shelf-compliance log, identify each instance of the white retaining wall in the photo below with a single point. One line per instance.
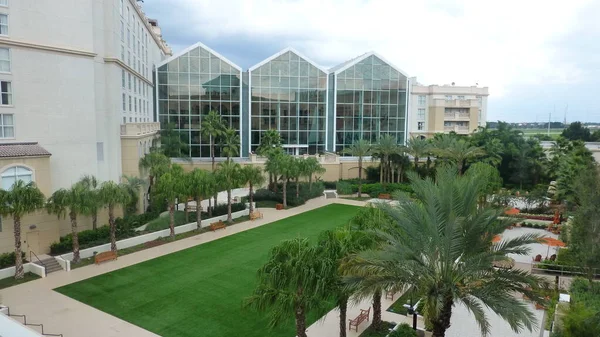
(138, 240)
(65, 264)
(28, 267)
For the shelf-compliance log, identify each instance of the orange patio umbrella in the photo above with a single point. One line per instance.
(551, 242)
(496, 238)
(512, 211)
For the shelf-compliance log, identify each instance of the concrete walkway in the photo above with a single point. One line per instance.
(61, 314)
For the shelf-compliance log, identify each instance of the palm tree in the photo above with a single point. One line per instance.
(386, 147)
(133, 185)
(212, 128)
(418, 148)
(339, 245)
(155, 163)
(294, 281)
(253, 176)
(442, 249)
(72, 201)
(360, 149)
(287, 169)
(113, 195)
(273, 166)
(269, 141)
(230, 143)
(201, 185)
(91, 185)
(169, 188)
(297, 169)
(456, 150)
(23, 198)
(311, 168)
(229, 175)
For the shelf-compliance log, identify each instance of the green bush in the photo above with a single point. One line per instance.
(375, 189)
(304, 195)
(404, 330)
(8, 259)
(343, 188)
(330, 185)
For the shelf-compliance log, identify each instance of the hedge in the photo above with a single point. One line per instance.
(304, 195)
(375, 189)
(125, 228)
(8, 259)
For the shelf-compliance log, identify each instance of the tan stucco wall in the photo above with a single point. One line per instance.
(131, 152)
(49, 229)
(474, 120)
(436, 119)
(40, 167)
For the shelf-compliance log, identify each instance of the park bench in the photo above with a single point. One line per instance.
(217, 225)
(256, 215)
(389, 295)
(363, 316)
(386, 196)
(279, 207)
(105, 256)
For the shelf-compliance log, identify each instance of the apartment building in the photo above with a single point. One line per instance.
(446, 108)
(76, 98)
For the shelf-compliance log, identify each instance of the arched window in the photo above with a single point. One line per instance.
(12, 174)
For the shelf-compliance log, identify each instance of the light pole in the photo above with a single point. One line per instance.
(412, 309)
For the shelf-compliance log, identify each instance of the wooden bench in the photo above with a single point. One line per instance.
(217, 225)
(363, 316)
(256, 215)
(105, 256)
(386, 196)
(389, 295)
(279, 207)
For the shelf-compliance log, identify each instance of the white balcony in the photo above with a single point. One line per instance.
(460, 129)
(139, 129)
(456, 116)
(455, 103)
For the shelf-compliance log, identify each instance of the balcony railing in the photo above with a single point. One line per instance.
(456, 128)
(464, 103)
(139, 129)
(457, 116)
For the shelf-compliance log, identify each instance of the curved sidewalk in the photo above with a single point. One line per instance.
(62, 314)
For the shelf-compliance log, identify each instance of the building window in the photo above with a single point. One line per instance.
(7, 126)
(421, 114)
(5, 60)
(421, 100)
(3, 24)
(6, 91)
(129, 103)
(124, 120)
(123, 78)
(420, 125)
(122, 31)
(461, 98)
(15, 173)
(134, 105)
(448, 97)
(480, 100)
(135, 85)
(121, 8)
(129, 82)
(4, 3)
(480, 115)
(124, 103)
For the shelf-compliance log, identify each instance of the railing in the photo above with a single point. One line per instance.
(32, 324)
(466, 103)
(456, 128)
(40, 261)
(138, 129)
(562, 270)
(457, 116)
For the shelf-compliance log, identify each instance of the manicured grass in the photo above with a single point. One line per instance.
(10, 281)
(199, 291)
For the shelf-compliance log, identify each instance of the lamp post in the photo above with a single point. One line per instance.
(412, 310)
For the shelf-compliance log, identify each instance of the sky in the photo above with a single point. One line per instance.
(536, 57)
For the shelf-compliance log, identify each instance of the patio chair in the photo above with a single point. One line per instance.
(538, 258)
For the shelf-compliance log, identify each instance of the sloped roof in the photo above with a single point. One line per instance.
(341, 67)
(194, 46)
(288, 49)
(32, 149)
(344, 64)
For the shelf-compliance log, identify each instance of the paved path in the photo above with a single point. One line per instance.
(61, 314)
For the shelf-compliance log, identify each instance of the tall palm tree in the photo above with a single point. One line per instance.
(229, 175)
(360, 149)
(293, 282)
(418, 148)
(339, 245)
(287, 169)
(72, 201)
(385, 148)
(170, 187)
(273, 166)
(253, 177)
(201, 185)
(133, 185)
(155, 164)
(443, 250)
(311, 168)
(230, 143)
(23, 198)
(297, 169)
(113, 195)
(90, 183)
(269, 141)
(212, 128)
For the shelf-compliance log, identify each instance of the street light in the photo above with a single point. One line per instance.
(412, 310)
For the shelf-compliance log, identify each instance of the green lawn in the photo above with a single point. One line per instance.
(10, 281)
(199, 291)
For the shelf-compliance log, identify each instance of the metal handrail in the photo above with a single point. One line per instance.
(32, 324)
(563, 270)
(40, 261)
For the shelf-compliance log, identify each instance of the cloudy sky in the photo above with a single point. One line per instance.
(535, 56)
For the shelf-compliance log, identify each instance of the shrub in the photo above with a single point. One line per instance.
(330, 185)
(375, 189)
(8, 259)
(404, 330)
(344, 188)
(292, 200)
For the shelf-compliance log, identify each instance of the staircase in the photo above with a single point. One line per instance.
(50, 264)
(330, 194)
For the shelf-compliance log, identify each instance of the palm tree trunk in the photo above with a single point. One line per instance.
(113, 229)
(284, 193)
(73, 217)
(187, 213)
(198, 213)
(359, 179)
(461, 163)
(251, 197)
(343, 307)
(95, 219)
(229, 220)
(377, 311)
(209, 207)
(271, 181)
(19, 272)
(310, 182)
(381, 171)
(172, 220)
(442, 323)
(297, 188)
(416, 164)
(300, 321)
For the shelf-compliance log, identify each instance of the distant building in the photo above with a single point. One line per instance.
(446, 108)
